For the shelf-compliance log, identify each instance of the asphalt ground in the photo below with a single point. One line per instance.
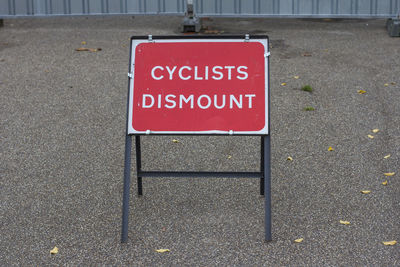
(62, 151)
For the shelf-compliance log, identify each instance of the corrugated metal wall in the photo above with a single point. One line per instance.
(236, 8)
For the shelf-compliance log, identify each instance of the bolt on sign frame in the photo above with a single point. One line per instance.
(198, 85)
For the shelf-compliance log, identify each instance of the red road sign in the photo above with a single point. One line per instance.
(198, 86)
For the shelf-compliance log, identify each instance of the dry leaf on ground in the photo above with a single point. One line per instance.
(283, 84)
(390, 243)
(175, 141)
(299, 240)
(307, 54)
(296, 77)
(289, 158)
(385, 182)
(365, 191)
(330, 148)
(83, 42)
(54, 250)
(361, 92)
(389, 173)
(162, 250)
(375, 130)
(370, 136)
(344, 222)
(229, 156)
(387, 156)
(386, 84)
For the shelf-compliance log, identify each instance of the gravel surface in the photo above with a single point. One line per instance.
(62, 148)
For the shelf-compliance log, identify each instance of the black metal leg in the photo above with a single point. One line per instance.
(262, 167)
(127, 181)
(267, 185)
(138, 165)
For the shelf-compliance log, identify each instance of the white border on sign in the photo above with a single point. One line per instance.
(136, 42)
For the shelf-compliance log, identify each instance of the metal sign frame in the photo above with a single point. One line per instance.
(265, 169)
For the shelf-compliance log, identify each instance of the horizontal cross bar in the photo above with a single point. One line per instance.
(193, 174)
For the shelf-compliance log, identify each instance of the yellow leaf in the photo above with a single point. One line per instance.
(330, 148)
(229, 157)
(296, 77)
(375, 130)
(289, 158)
(390, 243)
(299, 240)
(83, 42)
(371, 136)
(389, 173)
(365, 191)
(175, 141)
(162, 250)
(344, 222)
(54, 250)
(387, 156)
(385, 182)
(386, 84)
(283, 84)
(361, 92)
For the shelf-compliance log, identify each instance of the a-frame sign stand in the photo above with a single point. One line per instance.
(264, 175)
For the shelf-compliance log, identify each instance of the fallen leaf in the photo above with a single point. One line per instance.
(330, 148)
(385, 182)
(229, 157)
(54, 250)
(389, 173)
(162, 250)
(283, 84)
(83, 42)
(390, 243)
(344, 222)
(371, 136)
(365, 191)
(387, 156)
(296, 77)
(393, 83)
(386, 84)
(306, 54)
(289, 158)
(82, 49)
(94, 49)
(375, 130)
(299, 240)
(361, 92)
(175, 141)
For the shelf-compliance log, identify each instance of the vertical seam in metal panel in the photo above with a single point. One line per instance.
(351, 7)
(376, 7)
(51, 7)
(371, 7)
(220, 6)
(202, 6)
(254, 7)
(337, 6)
(259, 7)
(88, 6)
(293, 7)
(126, 6)
(107, 7)
(356, 7)
(317, 8)
(144, 6)
(312, 6)
(121, 6)
(140, 6)
(102, 6)
(65, 7)
(215, 7)
(164, 8)
(158, 6)
(279, 6)
(240, 6)
(83, 6)
(234, 6)
(46, 8)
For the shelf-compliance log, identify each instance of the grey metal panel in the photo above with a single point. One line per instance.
(236, 8)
